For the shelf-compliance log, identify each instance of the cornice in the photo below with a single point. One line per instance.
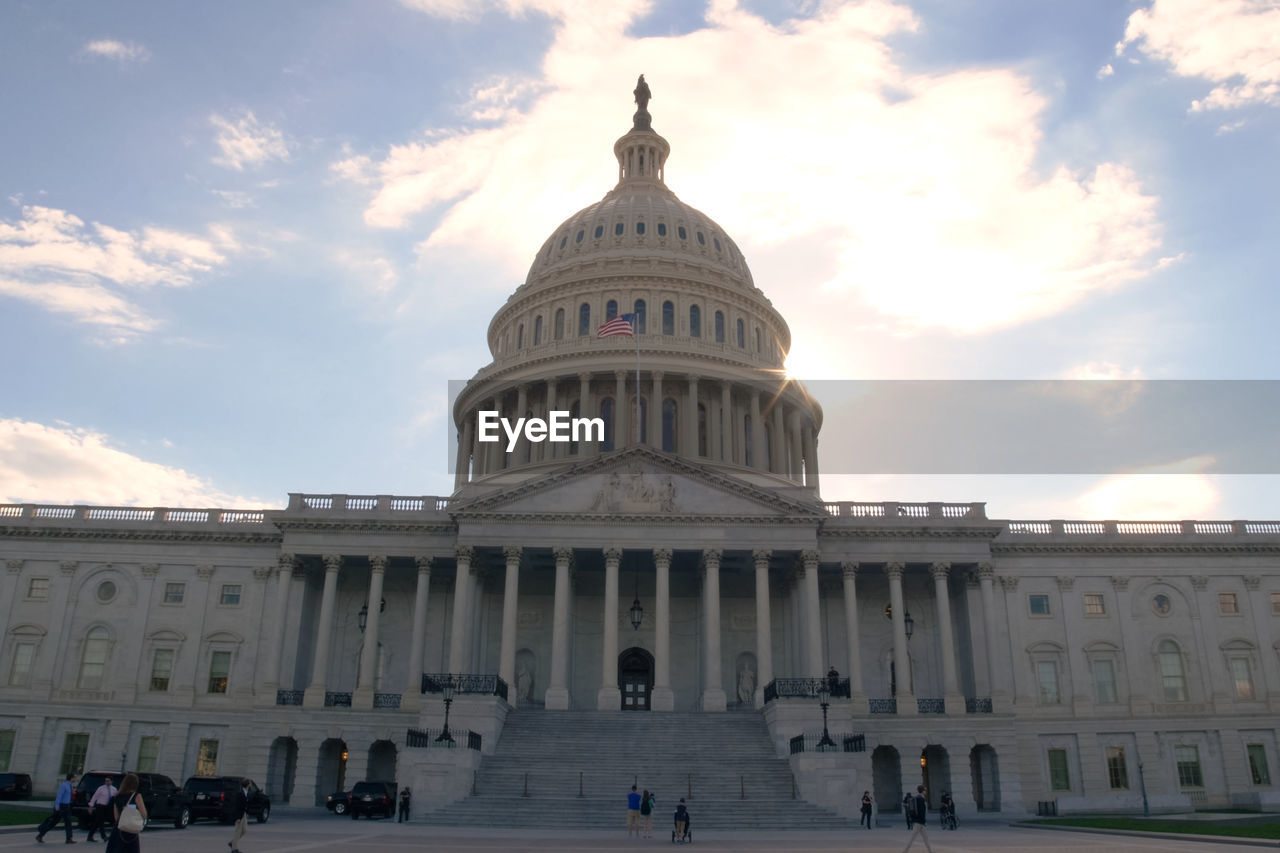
(44, 531)
(367, 525)
(915, 531)
(637, 520)
(1268, 548)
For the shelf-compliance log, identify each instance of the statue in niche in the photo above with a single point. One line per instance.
(746, 683)
(524, 682)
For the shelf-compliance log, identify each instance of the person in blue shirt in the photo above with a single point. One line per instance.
(633, 812)
(61, 810)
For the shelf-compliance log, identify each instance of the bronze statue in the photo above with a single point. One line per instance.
(642, 93)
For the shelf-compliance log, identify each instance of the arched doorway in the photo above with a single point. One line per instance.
(886, 779)
(986, 778)
(331, 769)
(935, 773)
(382, 762)
(282, 766)
(635, 679)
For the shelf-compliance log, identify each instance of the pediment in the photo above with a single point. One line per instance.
(639, 483)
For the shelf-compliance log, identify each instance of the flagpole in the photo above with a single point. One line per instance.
(636, 335)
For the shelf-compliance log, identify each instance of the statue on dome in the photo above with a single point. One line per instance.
(642, 94)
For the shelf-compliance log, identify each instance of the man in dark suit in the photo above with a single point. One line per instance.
(240, 815)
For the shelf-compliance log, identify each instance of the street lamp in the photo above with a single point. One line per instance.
(908, 623)
(448, 688)
(824, 698)
(1142, 782)
(636, 611)
(364, 614)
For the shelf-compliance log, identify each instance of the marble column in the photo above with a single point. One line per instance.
(621, 408)
(713, 697)
(553, 450)
(478, 467)
(274, 651)
(458, 632)
(655, 410)
(608, 698)
(412, 698)
(857, 694)
(797, 452)
(557, 695)
(363, 696)
(759, 458)
(952, 696)
(463, 466)
(510, 602)
(809, 441)
(986, 585)
(725, 426)
(690, 449)
(522, 452)
(901, 659)
(778, 446)
(663, 698)
(764, 625)
(314, 695)
(813, 615)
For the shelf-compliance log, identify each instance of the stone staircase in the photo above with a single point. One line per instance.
(723, 764)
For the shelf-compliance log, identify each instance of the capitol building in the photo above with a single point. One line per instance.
(682, 563)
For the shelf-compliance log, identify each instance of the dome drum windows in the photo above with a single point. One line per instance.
(641, 314)
(559, 324)
(618, 229)
(681, 233)
(584, 320)
(662, 229)
(610, 309)
(640, 228)
(695, 321)
(581, 233)
(702, 240)
(599, 232)
(668, 318)
(719, 321)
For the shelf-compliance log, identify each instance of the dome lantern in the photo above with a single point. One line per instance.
(642, 153)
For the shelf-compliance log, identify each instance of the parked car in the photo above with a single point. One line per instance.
(15, 786)
(338, 802)
(371, 798)
(164, 800)
(214, 797)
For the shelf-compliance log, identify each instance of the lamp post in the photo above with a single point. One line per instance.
(636, 610)
(448, 688)
(908, 623)
(824, 698)
(1142, 783)
(363, 617)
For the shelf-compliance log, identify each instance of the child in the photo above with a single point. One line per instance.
(682, 822)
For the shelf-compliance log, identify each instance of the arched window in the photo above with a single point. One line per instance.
(695, 321)
(1171, 672)
(668, 318)
(584, 320)
(537, 330)
(748, 458)
(719, 327)
(559, 326)
(610, 309)
(606, 415)
(670, 425)
(641, 328)
(520, 336)
(93, 659)
(702, 430)
(742, 335)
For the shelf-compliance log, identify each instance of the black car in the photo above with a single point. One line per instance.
(164, 800)
(373, 798)
(338, 802)
(215, 797)
(15, 786)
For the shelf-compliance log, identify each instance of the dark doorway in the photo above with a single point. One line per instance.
(635, 679)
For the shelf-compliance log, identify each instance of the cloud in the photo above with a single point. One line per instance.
(1175, 490)
(247, 141)
(372, 273)
(1105, 71)
(63, 464)
(117, 50)
(1234, 44)
(926, 188)
(51, 258)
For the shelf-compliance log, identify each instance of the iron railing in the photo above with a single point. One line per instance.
(386, 700)
(977, 706)
(805, 688)
(810, 741)
(337, 700)
(482, 685)
(931, 706)
(430, 739)
(289, 697)
(882, 706)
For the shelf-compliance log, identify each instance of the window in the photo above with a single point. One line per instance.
(537, 331)
(742, 335)
(641, 323)
(640, 228)
(219, 669)
(1047, 677)
(519, 338)
(1059, 777)
(748, 446)
(662, 229)
(1227, 604)
(670, 422)
(702, 240)
(1117, 770)
(207, 758)
(24, 657)
(559, 324)
(668, 318)
(618, 229)
(1188, 759)
(74, 749)
(716, 240)
(93, 659)
(606, 415)
(1258, 768)
(610, 309)
(231, 591)
(599, 232)
(6, 748)
(1104, 682)
(106, 591)
(148, 754)
(1162, 604)
(1039, 605)
(1242, 678)
(161, 670)
(681, 233)
(695, 321)
(174, 593)
(38, 589)
(1094, 604)
(584, 320)
(581, 234)
(702, 430)
(719, 327)
(1171, 672)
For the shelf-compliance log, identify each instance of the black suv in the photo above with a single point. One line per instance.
(338, 801)
(164, 800)
(215, 797)
(371, 798)
(15, 786)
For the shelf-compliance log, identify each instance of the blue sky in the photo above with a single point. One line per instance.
(243, 246)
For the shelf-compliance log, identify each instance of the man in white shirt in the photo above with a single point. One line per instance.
(100, 808)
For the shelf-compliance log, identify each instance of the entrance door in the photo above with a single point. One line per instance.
(635, 678)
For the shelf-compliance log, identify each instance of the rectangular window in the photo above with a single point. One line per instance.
(148, 754)
(1258, 768)
(1094, 604)
(1117, 769)
(174, 593)
(207, 758)
(74, 749)
(24, 657)
(38, 589)
(161, 670)
(1104, 681)
(6, 748)
(1275, 603)
(219, 669)
(1047, 676)
(1242, 678)
(1227, 604)
(1039, 605)
(230, 594)
(1189, 775)
(1059, 777)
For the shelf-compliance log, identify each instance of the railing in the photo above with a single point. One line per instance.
(430, 739)
(386, 700)
(289, 697)
(977, 706)
(804, 688)
(896, 509)
(483, 685)
(1188, 529)
(132, 515)
(423, 505)
(337, 700)
(931, 706)
(882, 706)
(841, 742)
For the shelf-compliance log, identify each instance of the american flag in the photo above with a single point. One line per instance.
(620, 325)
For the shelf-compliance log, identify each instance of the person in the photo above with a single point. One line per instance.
(240, 815)
(647, 802)
(682, 822)
(61, 810)
(833, 680)
(866, 809)
(948, 809)
(127, 798)
(633, 812)
(100, 809)
(404, 806)
(908, 808)
(919, 815)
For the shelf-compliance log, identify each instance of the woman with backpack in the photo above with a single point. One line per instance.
(647, 802)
